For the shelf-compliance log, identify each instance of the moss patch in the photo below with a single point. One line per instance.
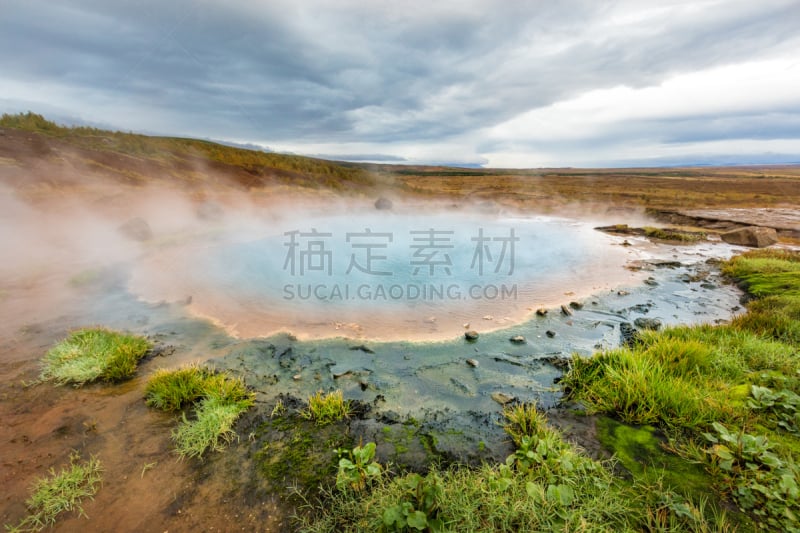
(640, 451)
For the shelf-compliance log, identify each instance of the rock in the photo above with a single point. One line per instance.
(517, 339)
(647, 323)
(550, 333)
(541, 311)
(650, 281)
(136, 229)
(337, 375)
(627, 334)
(473, 363)
(362, 348)
(502, 398)
(488, 317)
(752, 236)
(383, 203)
(297, 377)
(471, 335)
(576, 305)
(565, 310)
(622, 293)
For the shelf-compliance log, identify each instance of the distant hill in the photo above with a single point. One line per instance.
(136, 158)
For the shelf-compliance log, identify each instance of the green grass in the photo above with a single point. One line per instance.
(219, 401)
(325, 409)
(546, 485)
(703, 384)
(60, 492)
(94, 354)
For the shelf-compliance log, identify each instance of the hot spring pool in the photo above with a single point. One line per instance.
(386, 275)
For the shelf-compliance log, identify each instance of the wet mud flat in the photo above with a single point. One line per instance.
(420, 402)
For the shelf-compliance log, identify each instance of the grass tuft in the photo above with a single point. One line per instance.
(325, 409)
(60, 492)
(220, 400)
(94, 354)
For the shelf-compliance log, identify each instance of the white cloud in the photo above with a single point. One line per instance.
(753, 87)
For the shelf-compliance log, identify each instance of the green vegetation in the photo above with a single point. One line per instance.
(296, 452)
(94, 354)
(60, 492)
(725, 396)
(546, 485)
(327, 408)
(219, 399)
(666, 234)
(356, 467)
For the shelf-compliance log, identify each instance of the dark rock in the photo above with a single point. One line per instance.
(576, 305)
(550, 333)
(517, 339)
(473, 363)
(471, 335)
(752, 236)
(383, 203)
(627, 334)
(363, 348)
(566, 310)
(622, 293)
(136, 229)
(541, 311)
(648, 323)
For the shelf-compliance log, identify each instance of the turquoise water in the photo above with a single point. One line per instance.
(399, 272)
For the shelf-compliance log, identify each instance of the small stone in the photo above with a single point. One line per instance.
(648, 323)
(576, 305)
(488, 317)
(297, 377)
(471, 335)
(502, 398)
(383, 203)
(541, 311)
(473, 363)
(650, 281)
(550, 333)
(565, 310)
(623, 293)
(466, 325)
(517, 339)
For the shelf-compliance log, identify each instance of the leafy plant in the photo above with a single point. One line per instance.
(783, 406)
(418, 508)
(325, 409)
(356, 467)
(762, 483)
(92, 354)
(61, 492)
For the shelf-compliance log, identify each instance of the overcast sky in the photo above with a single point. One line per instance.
(503, 83)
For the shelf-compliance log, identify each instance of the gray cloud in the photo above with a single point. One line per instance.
(361, 72)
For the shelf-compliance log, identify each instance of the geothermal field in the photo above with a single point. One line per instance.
(435, 308)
